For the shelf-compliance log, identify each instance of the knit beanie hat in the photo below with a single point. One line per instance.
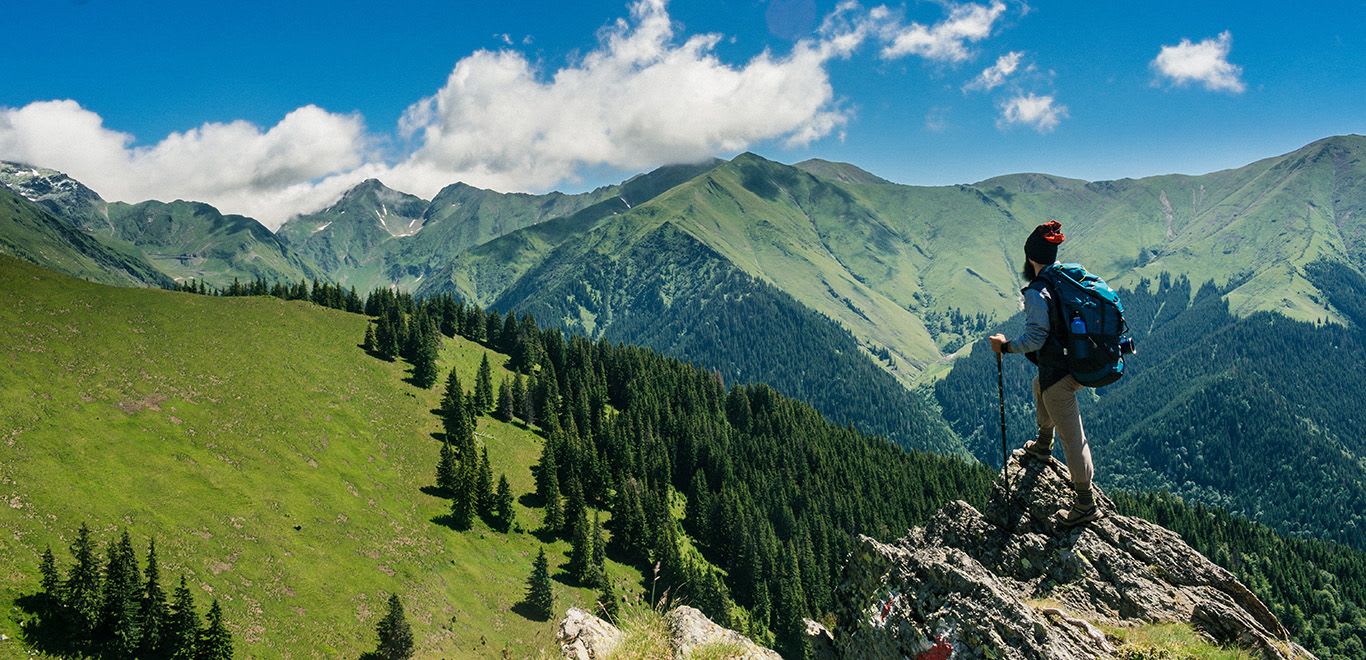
(1042, 244)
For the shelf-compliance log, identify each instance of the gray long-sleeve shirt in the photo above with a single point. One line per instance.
(1037, 324)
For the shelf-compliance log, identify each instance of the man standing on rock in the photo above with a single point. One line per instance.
(1055, 389)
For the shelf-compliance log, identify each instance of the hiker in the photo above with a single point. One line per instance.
(1055, 388)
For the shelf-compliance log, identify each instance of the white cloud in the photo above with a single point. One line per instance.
(235, 165)
(642, 97)
(996, 74)
(1038, 112)
(946, 41)
(639, 99)
(1205, 62)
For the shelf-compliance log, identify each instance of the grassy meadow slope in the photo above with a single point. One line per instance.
(279, 467)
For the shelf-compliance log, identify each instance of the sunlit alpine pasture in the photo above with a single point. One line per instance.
(278, 466)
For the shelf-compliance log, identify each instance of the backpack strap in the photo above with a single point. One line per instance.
(1058, 328)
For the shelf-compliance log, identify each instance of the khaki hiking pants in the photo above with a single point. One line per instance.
(1056, 407)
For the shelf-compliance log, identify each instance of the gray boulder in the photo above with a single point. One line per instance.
(583, 636)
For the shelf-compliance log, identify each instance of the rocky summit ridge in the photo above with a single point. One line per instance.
(1012, 582)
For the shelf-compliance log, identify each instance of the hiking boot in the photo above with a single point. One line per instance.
(1084, 509)
(1040, 448)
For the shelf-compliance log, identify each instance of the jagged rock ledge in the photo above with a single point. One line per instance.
(583, 636)
(1013, 583)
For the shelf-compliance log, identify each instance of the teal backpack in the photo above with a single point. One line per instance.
(1090, 323)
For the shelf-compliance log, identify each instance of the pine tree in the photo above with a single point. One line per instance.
(153, 612)
(502, 505)
(51, 583)
(182, 627)
(508, 336)
(580, 548)
(120, 600)
(520, 400)
(540, 598)
(484, 485)
(369, 343)
(455, 419)
(424, 363)
(483, 386)
(82, 588)
(395, 635)
(554, 511)
(607, 599)
(791, 629)
(547, 470)
(446, 469)
(214, 642)
(599, 561)
(575, 511)
(503, 410)
(465, 502)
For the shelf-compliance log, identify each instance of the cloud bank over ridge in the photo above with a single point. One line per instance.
(643, 96)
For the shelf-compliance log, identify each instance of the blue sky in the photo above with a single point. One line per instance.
(1092, 97)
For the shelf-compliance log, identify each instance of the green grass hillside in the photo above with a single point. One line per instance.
(277, 465)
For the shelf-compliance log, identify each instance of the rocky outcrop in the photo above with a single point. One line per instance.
(584, 636)
(1014, 583)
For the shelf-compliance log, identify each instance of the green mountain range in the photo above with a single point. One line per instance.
(828, 282)
(182, 240)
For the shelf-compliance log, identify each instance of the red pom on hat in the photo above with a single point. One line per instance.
(1052, 234)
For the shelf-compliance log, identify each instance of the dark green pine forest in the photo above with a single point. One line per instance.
(761, 486)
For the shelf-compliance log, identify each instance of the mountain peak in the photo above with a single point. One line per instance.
(837, 171)
(749, 157)
(40, 183)
(1015, 578)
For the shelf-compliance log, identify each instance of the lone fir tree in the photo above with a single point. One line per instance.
(215, 642)
(540, 598)
(424, 363)
(483, 484)
(502, 411)
(483, 386)
(395, 635)
(504, 514)
(182, 629)
(446, 469)
(153, 612)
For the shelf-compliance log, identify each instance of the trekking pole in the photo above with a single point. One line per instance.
(1001, 396)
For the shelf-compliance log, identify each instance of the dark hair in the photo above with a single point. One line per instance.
(1027, 271)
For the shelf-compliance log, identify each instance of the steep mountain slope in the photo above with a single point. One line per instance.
(670, 292)
(34, 234)
(191, 240)
(64, 196)
(279, 468)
